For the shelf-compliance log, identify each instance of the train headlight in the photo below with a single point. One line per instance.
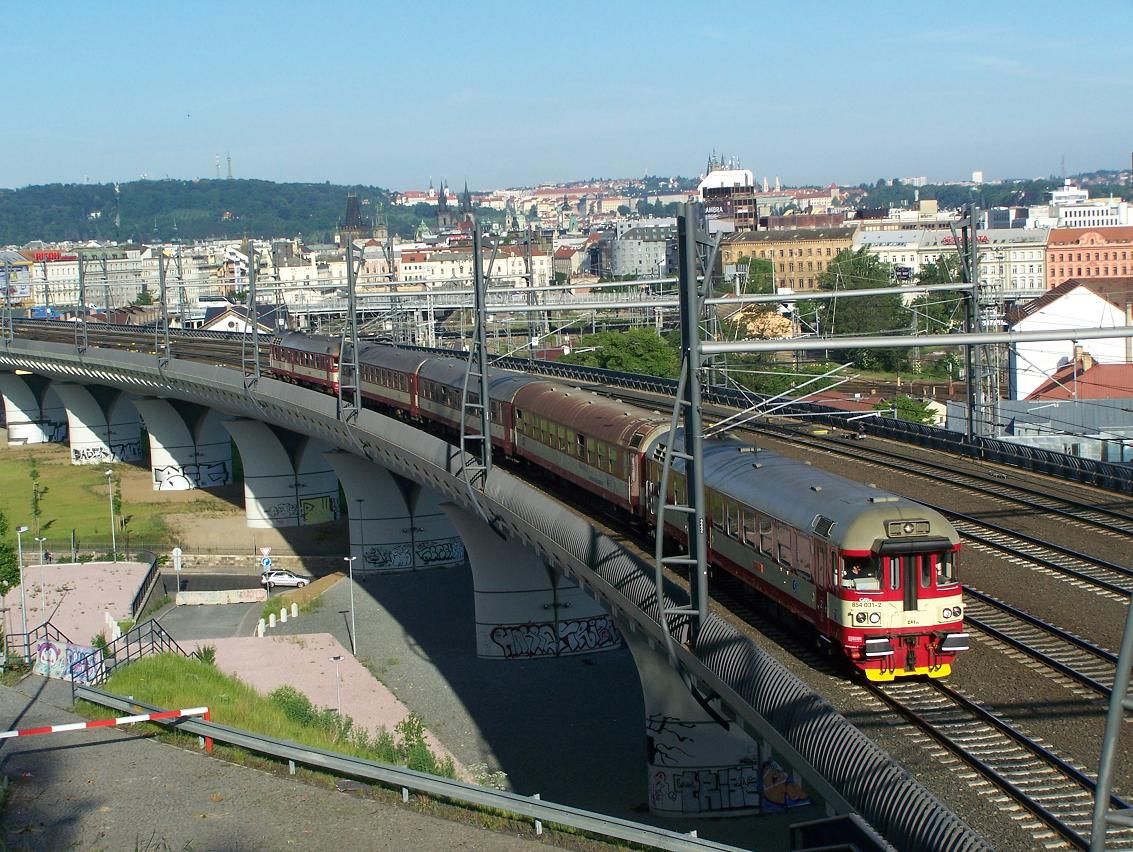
(957, 612)
(908, 528)
(947, 613)
(874, 618)
(859, 617)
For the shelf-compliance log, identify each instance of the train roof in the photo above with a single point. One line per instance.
(318, 343)
(391, 357)
(810, 498)
(502, 384)
(585, 411)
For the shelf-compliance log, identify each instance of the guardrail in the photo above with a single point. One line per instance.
(407, 780)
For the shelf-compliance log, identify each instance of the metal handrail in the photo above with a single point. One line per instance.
(419, 782)
(139, 641)
(148, 582)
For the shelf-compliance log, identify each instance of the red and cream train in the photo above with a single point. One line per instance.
(873, 573)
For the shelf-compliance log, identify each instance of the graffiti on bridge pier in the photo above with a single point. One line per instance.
(318, 510)
(178, 477)
(124, 451)
(445, 551)
(574, 636)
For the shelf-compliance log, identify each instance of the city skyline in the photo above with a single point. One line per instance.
(514, 95)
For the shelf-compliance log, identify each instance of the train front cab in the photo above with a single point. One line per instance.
(901, 608)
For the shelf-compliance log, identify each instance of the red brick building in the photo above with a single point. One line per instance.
(1088, 253)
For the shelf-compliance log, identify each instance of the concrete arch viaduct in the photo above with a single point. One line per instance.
(728, 706)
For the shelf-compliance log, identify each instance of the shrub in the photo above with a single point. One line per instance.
(206, 654)
(296, 706)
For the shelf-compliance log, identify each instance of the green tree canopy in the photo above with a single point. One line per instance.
(906, 408)
(942, 311)
(9, 566)
(865, 315)
(634, 351)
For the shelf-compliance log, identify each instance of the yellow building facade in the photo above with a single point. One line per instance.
(800, 256)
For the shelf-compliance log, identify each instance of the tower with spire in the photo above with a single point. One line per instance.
(445, 218)
(466, 209)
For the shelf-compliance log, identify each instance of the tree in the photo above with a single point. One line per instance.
(760, 275)
(907, 408)
(9, 565)
(38, 492)
(634, 351)
(865, 315)
(942, 311)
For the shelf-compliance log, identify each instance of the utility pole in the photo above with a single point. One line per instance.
(9, 327)
(686, 411)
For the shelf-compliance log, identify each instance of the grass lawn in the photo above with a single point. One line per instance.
(169, 680)
(75, 497)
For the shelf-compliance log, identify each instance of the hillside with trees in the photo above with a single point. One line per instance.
(166, 210)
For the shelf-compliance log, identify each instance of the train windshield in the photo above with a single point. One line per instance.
(861, 573)
(920, 570)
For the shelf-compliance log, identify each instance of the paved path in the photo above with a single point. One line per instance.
(109, 789)
(571, 729)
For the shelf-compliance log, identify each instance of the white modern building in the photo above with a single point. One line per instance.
(1085, 303)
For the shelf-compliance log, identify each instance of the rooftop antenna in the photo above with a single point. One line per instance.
(117, 211)
(217, 166)
(230, 166)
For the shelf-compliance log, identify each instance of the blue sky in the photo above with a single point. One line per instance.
(509, 93)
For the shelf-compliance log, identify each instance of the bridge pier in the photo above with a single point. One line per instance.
(395, 523)
(524, 608)
(287, 481)
(699, 763)
(33, 412)
(189, 447)
(102, 423)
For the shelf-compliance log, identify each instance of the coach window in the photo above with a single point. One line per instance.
(733, 519)
(945, 568)
(926, 571)
(716, 509)
(896, 570)
(766, 535)
(786, 542)
(750, 535)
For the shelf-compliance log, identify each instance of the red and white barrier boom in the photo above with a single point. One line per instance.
(110, 723)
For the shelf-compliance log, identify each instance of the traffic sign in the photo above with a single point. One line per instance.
(177, 559)
(266, 561)
(265, 551)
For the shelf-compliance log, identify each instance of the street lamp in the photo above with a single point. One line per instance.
(23, 600)
(336, 659)
(42, 596)
(353, 643)
(110, 494)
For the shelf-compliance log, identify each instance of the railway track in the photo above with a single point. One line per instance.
(1109, 521)
(1056, 796)
(1099, 574)
(1066, 654)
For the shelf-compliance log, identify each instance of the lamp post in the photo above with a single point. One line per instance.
(40, 539)
(353, 642)
(110, 495)
(23, 600)
(336, 659)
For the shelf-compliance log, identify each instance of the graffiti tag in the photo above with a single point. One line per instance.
(541, 640)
